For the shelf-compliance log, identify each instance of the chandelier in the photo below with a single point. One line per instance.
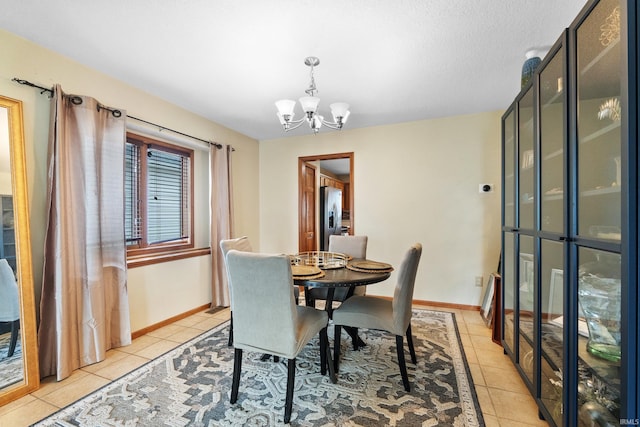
(339, 110)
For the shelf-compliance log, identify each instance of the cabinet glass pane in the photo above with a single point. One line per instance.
(525, 304)
(599, 292)
(509, 287)
(552, 158)
(525, 152)
(599, 110)
(551, 287)
(509, 130)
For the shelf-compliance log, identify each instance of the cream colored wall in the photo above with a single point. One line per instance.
(186, 282)
(413, 182)
(5, 184)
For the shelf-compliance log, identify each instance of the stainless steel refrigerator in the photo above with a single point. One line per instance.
(330, 215)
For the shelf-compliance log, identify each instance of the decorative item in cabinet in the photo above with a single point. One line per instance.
(599, 296)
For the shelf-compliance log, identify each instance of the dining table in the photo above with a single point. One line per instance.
(348, 276)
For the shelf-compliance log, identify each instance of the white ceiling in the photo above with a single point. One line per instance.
(340, 167)
(393, 61)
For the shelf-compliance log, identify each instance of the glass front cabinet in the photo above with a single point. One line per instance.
(570, 223)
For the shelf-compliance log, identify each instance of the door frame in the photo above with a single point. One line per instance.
(304, 204)
(307, 159)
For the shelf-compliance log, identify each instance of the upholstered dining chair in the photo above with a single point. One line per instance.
(355, 247)
(378, 313)
(240, 244)
(9, 303)
(266, 318)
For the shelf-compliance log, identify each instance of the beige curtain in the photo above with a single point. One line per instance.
(84, 309)
(221, 220)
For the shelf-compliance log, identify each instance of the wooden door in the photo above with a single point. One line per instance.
(307, 208)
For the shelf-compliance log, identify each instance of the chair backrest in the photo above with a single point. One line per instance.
(9, 302)
(355, 246)
(239, 244)
(403, 294)
(263, 306)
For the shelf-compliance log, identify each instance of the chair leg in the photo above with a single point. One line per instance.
(324, 342)
(353, 333)
(230, 343)
(291, 377)
(325, 356)
(267, 356)
(237, 368)
(15, 328)
(403, 366)
(308, 299)
(412, 350)
(336, 347)
(296, 298)
(330, 365)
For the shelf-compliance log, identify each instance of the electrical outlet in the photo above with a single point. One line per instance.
(479, 281)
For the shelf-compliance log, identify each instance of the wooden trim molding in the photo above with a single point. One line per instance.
(441, 304)
(447, 305)
(151, 328)
(156, 258)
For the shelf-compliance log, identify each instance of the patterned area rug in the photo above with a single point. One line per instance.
(191, 386)
(11, 368)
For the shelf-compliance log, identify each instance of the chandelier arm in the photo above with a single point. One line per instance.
(331, 125)
(296, 125)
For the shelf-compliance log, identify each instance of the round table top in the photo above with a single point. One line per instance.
(343, 278)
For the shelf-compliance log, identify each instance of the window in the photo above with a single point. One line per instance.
(158, 196)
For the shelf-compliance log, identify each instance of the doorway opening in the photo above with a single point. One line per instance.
(331, 170)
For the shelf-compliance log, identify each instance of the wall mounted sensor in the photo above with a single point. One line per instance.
(485, 188)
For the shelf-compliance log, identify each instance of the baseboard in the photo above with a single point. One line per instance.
(447, 305)
(440, 304)
(168, 321)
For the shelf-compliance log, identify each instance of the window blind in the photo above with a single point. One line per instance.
(167, 196)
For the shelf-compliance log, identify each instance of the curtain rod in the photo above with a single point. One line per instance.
(117, 113)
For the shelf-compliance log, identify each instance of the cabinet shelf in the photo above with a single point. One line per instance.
(600, 191)
(553, 154)
(600, 132)
(608, 373)
(555, 196)
(553, 99)
(599, 57)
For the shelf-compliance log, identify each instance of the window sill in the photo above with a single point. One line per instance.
(159, 257)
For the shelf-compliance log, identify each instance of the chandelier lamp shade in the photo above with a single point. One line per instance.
(309, 104)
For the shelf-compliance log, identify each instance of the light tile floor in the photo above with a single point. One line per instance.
(503, 397)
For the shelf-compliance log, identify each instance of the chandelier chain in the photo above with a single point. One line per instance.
(312, 84)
